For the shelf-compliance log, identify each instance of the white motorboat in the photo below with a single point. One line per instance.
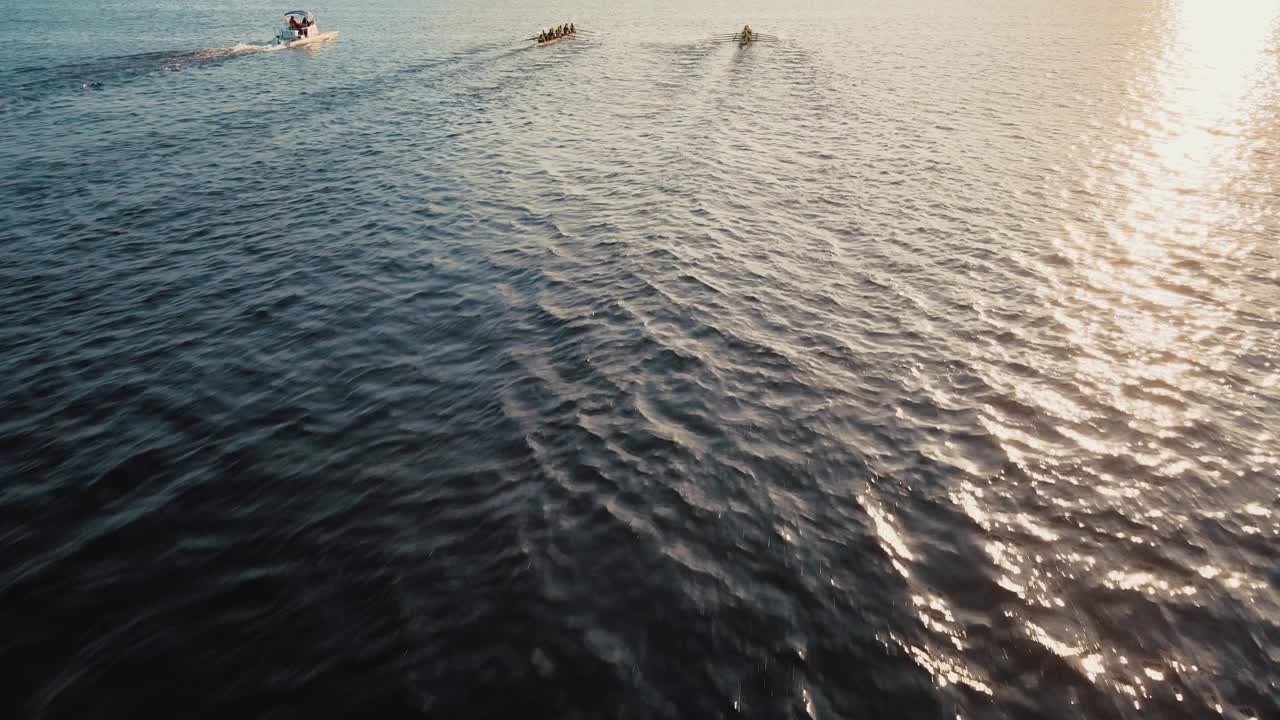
(300, 29)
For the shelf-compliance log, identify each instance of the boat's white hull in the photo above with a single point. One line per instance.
(310, 39)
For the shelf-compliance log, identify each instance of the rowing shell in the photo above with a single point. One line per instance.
(556, 40)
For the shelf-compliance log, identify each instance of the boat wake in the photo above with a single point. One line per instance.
(37, 82)
(212, 54)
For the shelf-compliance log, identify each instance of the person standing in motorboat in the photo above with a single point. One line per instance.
(295, 26)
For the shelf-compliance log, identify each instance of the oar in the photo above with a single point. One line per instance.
(738, 36)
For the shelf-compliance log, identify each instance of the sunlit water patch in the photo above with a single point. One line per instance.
(921, 363)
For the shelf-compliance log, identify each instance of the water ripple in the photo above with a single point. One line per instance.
(918, 364)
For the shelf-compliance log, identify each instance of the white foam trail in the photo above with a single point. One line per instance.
(255, 47)
(212, 53)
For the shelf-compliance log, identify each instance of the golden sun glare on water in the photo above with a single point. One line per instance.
(1175, 213)
(1158, 302)
(1210, 81)
(1151, 302)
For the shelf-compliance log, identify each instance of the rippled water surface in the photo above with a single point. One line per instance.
(922, 363)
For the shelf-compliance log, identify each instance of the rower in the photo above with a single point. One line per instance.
(572, 29)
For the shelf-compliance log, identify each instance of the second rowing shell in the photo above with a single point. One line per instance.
(556, 40)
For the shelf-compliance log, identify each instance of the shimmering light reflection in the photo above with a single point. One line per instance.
(943, 663)
(1155, 326)
(1151, 306)
(890, 539)
(945, 671)
(1175, 213)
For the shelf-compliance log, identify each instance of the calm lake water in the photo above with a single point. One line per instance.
(923, 363)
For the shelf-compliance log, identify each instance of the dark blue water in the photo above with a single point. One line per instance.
(921, 363)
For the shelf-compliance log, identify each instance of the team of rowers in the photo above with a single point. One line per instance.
(568, 29)
(556, 33)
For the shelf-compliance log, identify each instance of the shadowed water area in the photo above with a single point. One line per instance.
(922, 363)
